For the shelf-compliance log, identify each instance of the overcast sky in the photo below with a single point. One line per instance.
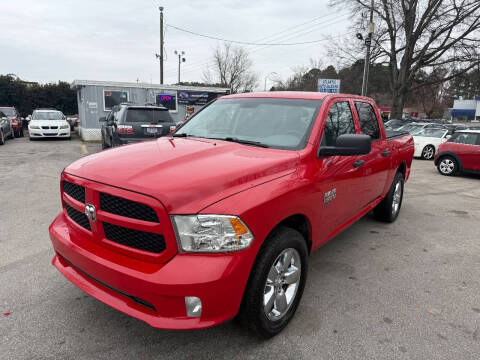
(115, 40)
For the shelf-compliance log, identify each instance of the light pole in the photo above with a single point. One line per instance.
(181, 59)
(160, 56)
(266, 77)
(368, 43)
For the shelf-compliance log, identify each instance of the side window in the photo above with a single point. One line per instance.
(368, 120)
(466, 138)
(339, 122)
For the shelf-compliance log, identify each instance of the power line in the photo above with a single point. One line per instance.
(291, 35)
(243, 42)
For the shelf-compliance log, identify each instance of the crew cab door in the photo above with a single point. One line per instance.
(377, 162)
(338, 177)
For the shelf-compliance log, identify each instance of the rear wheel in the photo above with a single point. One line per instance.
(447, 166)
(428, 152)
(389, 208)
(276, 283)
(2, 138)
(12, 133)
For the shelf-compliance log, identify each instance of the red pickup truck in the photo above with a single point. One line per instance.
(218, 220)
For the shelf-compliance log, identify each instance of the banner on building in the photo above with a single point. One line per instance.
(195, 97)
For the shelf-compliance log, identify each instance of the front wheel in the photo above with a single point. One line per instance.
(389, 208)
(276, 283)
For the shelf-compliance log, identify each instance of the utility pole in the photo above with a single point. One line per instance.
(368, 42)
(160, 56)
(181, 59)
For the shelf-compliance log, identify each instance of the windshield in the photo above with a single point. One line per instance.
(277, 123)
(47, 115)
(148, 116)
(409, 127)
(8, 111)
(437, 133)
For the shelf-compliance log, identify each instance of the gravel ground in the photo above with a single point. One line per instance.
(408, 290)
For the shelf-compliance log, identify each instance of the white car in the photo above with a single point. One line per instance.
(427, 142)
(48, 123)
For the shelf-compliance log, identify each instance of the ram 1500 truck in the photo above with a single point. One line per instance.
(218, 220)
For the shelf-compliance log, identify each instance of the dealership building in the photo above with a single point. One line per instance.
(465, 110)
(97, 98)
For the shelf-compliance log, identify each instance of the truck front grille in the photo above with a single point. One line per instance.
(136, 239)
(75, 191)
(80, 218)
(127, 208)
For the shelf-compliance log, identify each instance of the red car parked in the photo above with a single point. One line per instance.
(461, 153)
(14, 116)
(218, 220)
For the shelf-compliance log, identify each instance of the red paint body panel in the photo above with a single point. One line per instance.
(467, 155)
(188, 176)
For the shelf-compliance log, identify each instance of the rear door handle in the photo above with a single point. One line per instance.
(386, 153)
(358, 163)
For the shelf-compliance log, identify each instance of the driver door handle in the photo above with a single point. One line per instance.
(358, 163)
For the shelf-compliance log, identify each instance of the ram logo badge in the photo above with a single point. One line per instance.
(91, 212)
(329, 196)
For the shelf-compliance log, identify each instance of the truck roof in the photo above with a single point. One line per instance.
(307, 95)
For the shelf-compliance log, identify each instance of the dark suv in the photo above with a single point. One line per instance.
(126, 124)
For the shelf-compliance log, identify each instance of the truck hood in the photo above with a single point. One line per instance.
(186, 175)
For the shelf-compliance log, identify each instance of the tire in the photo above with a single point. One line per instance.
(12, 133)
(22, 134)
(17, 133)
(2, 138)
(264, 275)
(389, 208)
(447, 166)
(428, 152)
(104, 146)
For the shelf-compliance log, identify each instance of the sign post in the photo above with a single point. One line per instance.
(329, 85)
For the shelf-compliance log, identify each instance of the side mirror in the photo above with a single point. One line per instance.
(347, 145)
(102, 119)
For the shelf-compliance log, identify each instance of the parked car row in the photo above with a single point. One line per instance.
(6, 128)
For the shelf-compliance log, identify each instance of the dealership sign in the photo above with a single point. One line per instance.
(329, 85)
(193, 97)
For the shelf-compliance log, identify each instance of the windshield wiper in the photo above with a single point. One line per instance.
(241, 141)
(180, 135)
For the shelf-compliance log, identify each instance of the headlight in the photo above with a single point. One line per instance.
(34, 127)
(211, 233)
(64, 127)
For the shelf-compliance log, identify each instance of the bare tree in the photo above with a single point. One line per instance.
(232, 68)
(414, 35)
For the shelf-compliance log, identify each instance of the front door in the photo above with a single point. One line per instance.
(468, 149)
(338, 177)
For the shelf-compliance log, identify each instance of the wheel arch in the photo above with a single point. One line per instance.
(300, 223)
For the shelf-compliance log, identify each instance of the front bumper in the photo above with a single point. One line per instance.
(153, 292)
(49, 133)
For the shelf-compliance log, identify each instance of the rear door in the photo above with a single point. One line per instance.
(149, 122)
(376, 163)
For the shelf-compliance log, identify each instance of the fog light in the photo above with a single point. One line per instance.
(193, 305)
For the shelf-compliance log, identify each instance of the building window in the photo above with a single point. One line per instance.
(113, 97)
(167, 99)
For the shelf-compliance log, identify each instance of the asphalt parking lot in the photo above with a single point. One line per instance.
(408, 290)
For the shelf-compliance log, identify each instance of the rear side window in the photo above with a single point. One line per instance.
(465, 138)
(148, 116)
(339, 122)
(368, 120)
